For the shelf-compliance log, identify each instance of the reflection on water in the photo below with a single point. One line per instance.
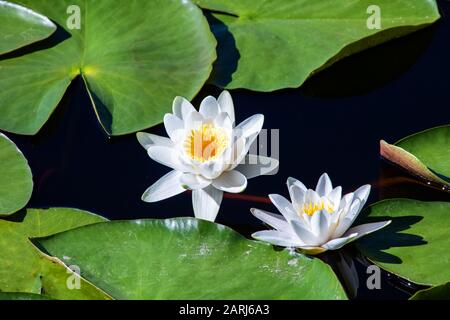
(76, 165)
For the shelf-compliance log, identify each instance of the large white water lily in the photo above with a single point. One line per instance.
(315, 220)
(207, 152)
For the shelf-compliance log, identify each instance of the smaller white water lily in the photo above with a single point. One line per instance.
(207, 153)
(315, 220)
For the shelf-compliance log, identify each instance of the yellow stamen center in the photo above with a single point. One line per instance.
(311, 208)
(206, 143)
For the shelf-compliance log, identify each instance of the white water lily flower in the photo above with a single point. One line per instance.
(315, 220)
(207, 153)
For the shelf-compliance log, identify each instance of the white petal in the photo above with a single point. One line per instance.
(339, 242)
(223, 121)
(166, 187)
(194, 121)
(206, 203)
(284, 206)
(226, 105)
(167, 156)
(347, 219)
(304, 234)
(294, 182)
(274, 220)
(250, 126)
(212, 169)
(276, 238)
(194, 181)
(335, 197)
(362, 194)
(174, 126)
(182, 107)
(297, 195)
(209, 107)
(365, 229)
(255, 166)
(320, 226)
(324, 185)
(231, 181)
(311, 196)
(147, 140)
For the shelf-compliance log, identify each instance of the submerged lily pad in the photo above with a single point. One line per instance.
(416, 245)
(266, 45)
(441, 292)
(25, 269)
(16, 183)
(186, 258)
(134, 60)
(21, 26)
(425, 154)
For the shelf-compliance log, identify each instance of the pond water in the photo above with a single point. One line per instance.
(332, 124)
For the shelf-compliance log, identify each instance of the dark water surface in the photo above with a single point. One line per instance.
(332, 124)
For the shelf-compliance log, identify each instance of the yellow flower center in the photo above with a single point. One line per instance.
(206, 143)
(311, 208)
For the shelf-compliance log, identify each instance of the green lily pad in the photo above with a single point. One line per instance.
(185, 258)
(425, 154)
(22, 296)
(25, 269)
(416, 245)
(21, 26)
(134, 60)
(16, 182)
(441, 292)
(266, 45)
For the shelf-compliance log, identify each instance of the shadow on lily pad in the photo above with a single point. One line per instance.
(375, 245)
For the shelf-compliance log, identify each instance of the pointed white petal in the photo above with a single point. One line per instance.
(182, 107)
(311, 196)
(347, 220)
(339, 242)
(297, 195)
(276, 238)
(174, 126)
(209, 107)
(324, 185)
(226, 105)
(255, 166)
(320, 226)
(231, 181)
(167, 186)
(363, 193)
(304, 233)
(223, 121)
(274, 220)
(365, 229)
(206, 203)
(250, 126)
(147, 140)
(194, 181)
(335, 197)
(292, 181)
(167, 156)
(284, 206)
(194, 121)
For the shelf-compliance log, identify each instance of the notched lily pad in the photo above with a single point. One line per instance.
(425, 154)
(134, 60)
(185, 258)
(16, 182)
(21, 26)
(415, 245)
(265, 45)
(25, 269)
